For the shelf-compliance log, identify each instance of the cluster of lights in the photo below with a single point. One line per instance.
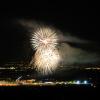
(81, 82)
(77, 82)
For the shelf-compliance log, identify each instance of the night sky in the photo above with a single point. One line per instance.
(14, 40)
(80, 19)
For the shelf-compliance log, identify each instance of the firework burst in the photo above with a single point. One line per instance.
(44, 41)
(46, 61)
(43, 38)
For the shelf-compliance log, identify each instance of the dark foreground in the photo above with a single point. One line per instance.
(50, 92)
(65, 92)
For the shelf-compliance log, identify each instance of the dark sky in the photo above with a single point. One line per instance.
(82, 22)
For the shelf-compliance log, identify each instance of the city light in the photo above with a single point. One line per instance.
(85, 82)
(78, 82)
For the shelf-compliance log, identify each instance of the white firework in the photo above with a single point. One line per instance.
(44, 41)
(44, 37)
(46, 61)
